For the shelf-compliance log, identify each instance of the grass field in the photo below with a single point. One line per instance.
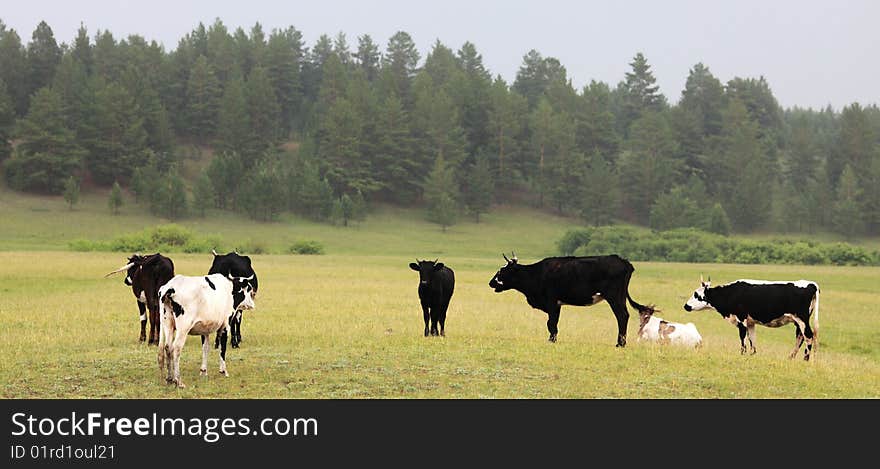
(348, 324)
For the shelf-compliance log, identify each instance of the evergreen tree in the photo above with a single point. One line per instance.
(479, 187)
(641, 94)
(674, 209)
(82, 48)
(441, 194)
(7, 121)
(203, 94)
(703, 97)
(225, 171)
(263, 112)
(43, 55)
(600, 197)
(401, 59)
(395, 161)
(506, 122)
(718, 221)
(14, 71)
(262, 195)
(649, 164)
(234, 130)
(284, 56)
(71, 191)
(120, 136)
(114, 202)
(367, 57)
(47, 153)
(742, 171)
(595, 121)
(203, 194)
(846, 217)
(174, 200)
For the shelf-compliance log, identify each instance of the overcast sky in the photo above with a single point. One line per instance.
(813, 53)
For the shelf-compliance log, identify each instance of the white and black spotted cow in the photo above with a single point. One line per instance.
(197, 306)
(746, 303)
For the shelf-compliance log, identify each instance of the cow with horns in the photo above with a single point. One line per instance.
(436, 284)
(745, 303)
(578, 281)
(145, 274)
(236, 265)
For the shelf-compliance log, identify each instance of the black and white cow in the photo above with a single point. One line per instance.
(236, 265)
(745, 303)
(145, 274)
(197, 306)
(577, 281)
(436, 284)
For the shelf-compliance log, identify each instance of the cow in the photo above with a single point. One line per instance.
(745, 303)
(578, 281)
(236, 265)
(197, 306)
(436, 284)
(653, 328)
(145, 274)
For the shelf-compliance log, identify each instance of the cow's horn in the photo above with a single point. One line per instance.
(505, 257)
(701, 278)
(709, 279)
(125, 267)
(437, 259)
(514, 255)
(214, 252)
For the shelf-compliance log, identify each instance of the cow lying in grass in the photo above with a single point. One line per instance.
(655, 329)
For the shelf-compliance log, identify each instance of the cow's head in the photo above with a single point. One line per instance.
(131, 269)
(698, 301)
(242, 292)
(506, 276)
(644, 319)
(235, 264)
(426, 270)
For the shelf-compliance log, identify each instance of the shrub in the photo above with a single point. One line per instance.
(250, 246)
(306, 247)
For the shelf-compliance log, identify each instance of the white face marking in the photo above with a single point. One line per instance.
(498, 281)
(697, 301)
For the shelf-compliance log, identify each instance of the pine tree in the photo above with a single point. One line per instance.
(47, 153)
(846, 217)
(114, 202)
(641, 93)
(367, 57)
(674, 209)
(284, 56)
(71, 191)
(649, 164)
(14, 71)
(121, 138)
(43, 55)
(718, 221)
(175, 202)
(600, 198)
(264, 112)
(203, 94)
(7, 120)
(401, 59)
(395, 162)
(480, 187)
(441, 194)
(234, 133)
(203, 194)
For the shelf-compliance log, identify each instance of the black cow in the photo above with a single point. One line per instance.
(577, 281)
(236, 265)
(436, 284)
(145, 274)
(745, 303)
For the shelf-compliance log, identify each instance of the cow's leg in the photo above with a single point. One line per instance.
(798, 340)
(553, 321)
(153, 306)
(223, 336)
(808, 335)
(751, 330)
(143, 310)
(427, 314)
(618, 307)
(435, 317)
(176, 349)
(235, 329)
(443, 309)
(742, 338)
(203, 370)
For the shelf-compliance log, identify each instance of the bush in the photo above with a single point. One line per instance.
(250, 246)
(163, 238)
(692, 245)
(306, 247)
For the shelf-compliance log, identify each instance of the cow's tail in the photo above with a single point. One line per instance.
(816, 321)
(650, 309)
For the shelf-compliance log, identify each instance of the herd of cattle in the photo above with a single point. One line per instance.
(182, 305)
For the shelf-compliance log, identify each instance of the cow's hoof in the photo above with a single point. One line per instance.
(552, 339)
(203, 372)
(234, 345)
(806, 358)
(224, 373)
(168, 380)
(620, 345)
(180, 385)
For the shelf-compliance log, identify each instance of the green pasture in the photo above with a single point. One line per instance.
(348, 324)
(342, 326)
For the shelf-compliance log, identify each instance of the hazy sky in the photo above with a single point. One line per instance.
(813, 53)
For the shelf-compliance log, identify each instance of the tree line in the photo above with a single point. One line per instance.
(441, 133)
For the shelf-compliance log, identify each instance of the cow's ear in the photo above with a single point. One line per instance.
(414, 266)
(438, 266)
